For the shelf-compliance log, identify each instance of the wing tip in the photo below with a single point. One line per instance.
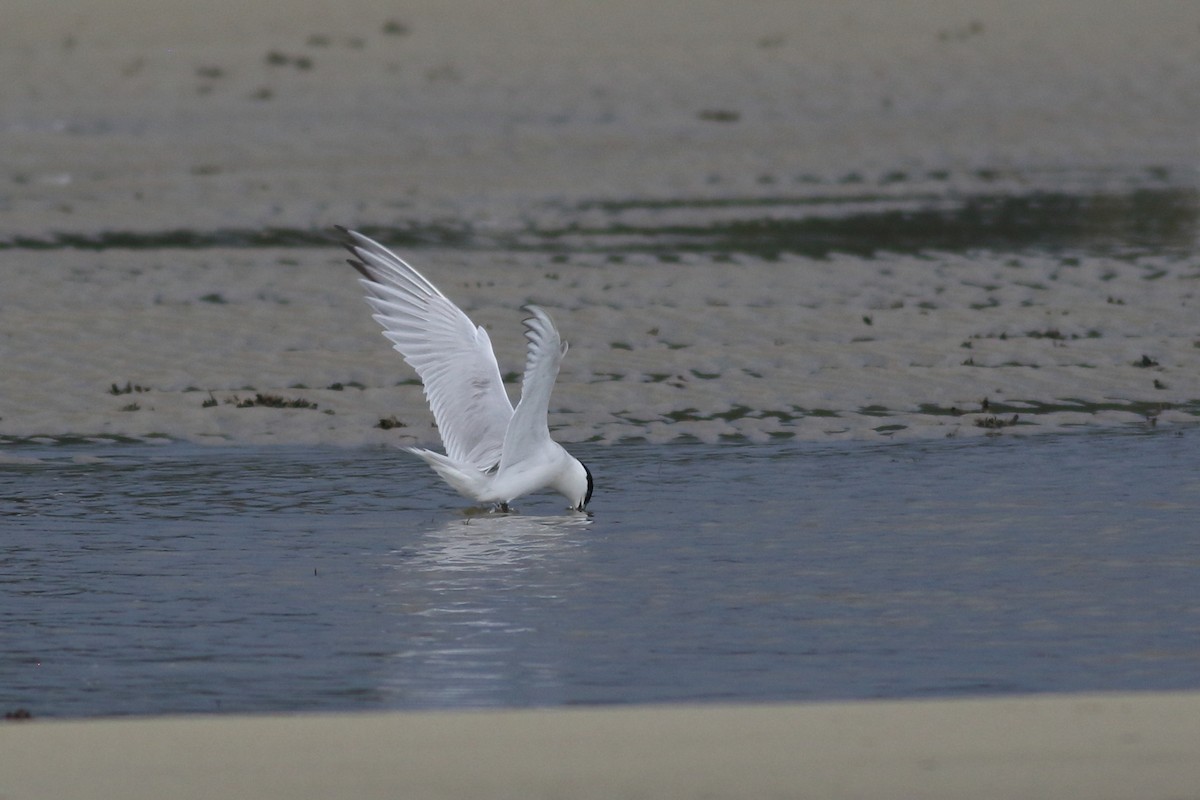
(347, 238)
(352, 241)
(539, 327)
(536, 312)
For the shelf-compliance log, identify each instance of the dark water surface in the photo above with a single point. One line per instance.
(185, 579)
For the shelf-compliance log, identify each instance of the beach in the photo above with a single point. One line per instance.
(1084, 746)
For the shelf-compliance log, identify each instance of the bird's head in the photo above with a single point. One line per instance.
(577, 487)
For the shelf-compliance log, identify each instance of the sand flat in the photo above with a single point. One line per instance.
(842, 348)
(1084, 746)
(555, 153)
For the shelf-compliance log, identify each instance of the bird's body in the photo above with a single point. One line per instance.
(494, 452)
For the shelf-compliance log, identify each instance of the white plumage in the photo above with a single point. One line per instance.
(494, 453)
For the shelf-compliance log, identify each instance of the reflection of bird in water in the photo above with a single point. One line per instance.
(494, 454)
(493, 540)
(471, 599)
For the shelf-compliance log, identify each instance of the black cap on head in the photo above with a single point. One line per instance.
(587, 498)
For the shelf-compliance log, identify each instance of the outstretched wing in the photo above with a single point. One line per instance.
(528, 432)
(450, 353)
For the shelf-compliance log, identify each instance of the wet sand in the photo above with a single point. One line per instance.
(818, 351)
(1084, 746)
(130, 124)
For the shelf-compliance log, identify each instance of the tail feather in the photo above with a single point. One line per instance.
(466, 479)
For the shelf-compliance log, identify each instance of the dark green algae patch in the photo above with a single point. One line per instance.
(1159, 219)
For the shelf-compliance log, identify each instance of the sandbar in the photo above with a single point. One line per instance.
(1062, 747)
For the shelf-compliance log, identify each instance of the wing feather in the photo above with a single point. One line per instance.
(452, 355)
(528, 433)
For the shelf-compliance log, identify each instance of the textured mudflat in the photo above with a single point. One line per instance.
(762, 221)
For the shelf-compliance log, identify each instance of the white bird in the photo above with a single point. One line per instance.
(494, 453)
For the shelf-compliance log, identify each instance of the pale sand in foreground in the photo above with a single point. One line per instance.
(1083, 746)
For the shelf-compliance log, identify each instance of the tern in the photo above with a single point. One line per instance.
(494, 453)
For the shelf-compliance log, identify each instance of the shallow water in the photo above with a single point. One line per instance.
(151, 579)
